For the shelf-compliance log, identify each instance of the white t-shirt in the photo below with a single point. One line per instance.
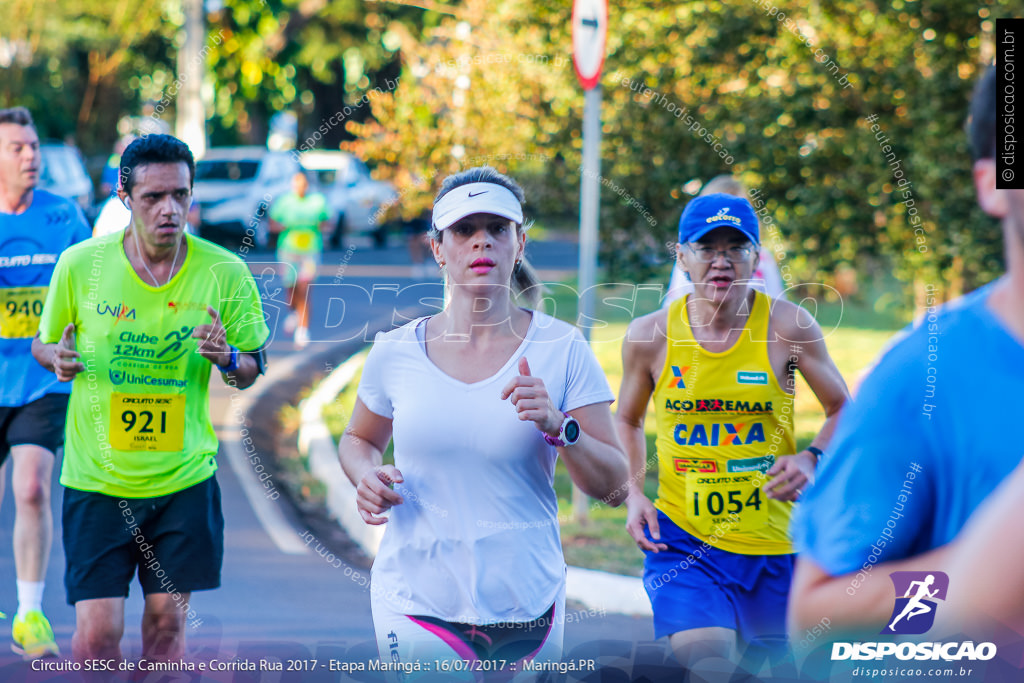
(476, 540)
(114, 216)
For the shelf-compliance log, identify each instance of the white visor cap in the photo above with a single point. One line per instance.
(466, 200)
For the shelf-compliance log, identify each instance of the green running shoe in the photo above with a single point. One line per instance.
(33, 637)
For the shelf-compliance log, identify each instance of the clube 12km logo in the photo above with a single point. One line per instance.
(918, 596)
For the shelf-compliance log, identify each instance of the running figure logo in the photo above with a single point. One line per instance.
(914, 612)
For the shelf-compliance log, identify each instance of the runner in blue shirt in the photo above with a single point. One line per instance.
(930, 435)
(35, 227)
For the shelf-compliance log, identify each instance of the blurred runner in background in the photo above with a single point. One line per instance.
(301, 218)
(111, 170)
(35, 227)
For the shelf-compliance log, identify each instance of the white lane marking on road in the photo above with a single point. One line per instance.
(268, 512)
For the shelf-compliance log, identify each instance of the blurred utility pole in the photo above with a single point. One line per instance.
(589, 39)
(590, 200)
(191, 120)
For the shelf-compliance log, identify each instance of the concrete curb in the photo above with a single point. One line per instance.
(597, 590)
(315, 441)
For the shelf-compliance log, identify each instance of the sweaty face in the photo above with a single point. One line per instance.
(19, 158)
(159, 201)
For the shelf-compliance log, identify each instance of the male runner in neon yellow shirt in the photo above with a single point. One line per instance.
(136, 319)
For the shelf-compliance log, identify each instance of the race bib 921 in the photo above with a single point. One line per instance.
(147, 422)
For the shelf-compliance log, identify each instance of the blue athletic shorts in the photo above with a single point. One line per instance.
(695, 585)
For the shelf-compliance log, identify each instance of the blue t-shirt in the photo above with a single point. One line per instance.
(30, 244)
(931, 433)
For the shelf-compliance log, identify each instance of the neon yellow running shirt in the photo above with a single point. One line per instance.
(138, 422)
(301, 217)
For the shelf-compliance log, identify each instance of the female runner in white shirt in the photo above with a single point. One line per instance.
(480, 399)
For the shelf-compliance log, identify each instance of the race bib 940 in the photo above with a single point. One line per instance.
(147, 422)
(20, 309)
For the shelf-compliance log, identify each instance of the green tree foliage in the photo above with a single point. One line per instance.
(78, 64)
(778, 94)
(490, 84)
(311, 57)
(81, 65)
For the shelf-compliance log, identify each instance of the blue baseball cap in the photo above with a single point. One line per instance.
(704, 214)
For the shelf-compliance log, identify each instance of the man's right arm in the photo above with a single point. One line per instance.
(986, 592)
(992, 590)
(57, 322)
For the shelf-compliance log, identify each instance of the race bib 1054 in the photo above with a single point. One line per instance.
(733, 500)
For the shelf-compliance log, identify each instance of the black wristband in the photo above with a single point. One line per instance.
(818, 453)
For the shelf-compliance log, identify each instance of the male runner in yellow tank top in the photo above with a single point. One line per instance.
(720, 366)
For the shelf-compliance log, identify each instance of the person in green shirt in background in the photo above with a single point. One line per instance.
(300, 217)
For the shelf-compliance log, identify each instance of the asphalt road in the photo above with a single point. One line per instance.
(279, 600)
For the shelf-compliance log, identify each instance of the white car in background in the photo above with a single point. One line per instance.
(356, 201)
(235, 186)
(62, 172)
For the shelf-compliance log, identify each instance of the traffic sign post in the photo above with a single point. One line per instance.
(590, 200)
(589, 34)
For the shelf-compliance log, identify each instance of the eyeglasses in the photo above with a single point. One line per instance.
(732, 254)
